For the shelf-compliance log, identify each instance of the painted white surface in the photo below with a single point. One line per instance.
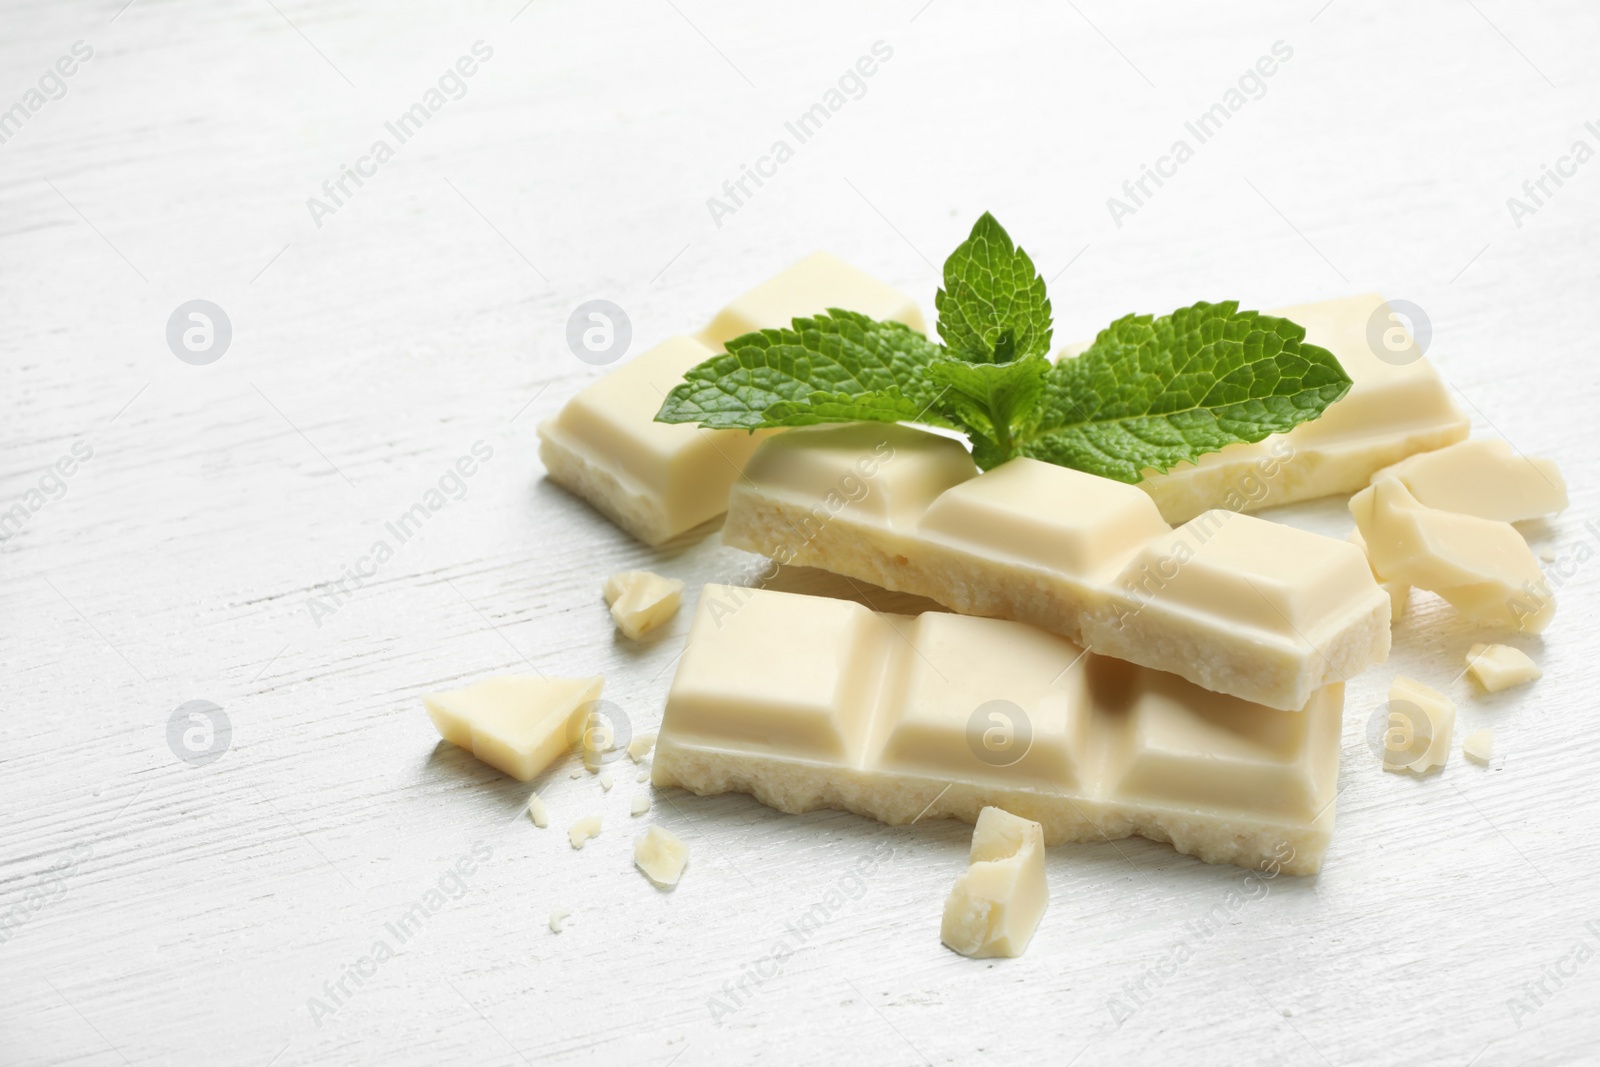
(201, 908)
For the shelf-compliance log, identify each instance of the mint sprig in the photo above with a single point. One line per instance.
(1148, 394)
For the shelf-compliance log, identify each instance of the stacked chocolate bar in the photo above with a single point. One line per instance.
(1106, 674)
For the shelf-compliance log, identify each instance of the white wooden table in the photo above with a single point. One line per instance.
(156, 911)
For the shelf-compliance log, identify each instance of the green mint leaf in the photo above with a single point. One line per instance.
(1151, 393)
(889, 405)
(840, 355)
(994, 402)
(993, 306)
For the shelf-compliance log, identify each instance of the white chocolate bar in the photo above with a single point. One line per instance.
(807, 702)
(655, 479)
(1235, 604)
(1395, 407)
(1484, 568)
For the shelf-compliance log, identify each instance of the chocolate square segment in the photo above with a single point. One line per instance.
(810, 287)
(761, 677)
(877, 473)
(1193, 748)
(954, 714)
(1247, 571)
(1065, 520)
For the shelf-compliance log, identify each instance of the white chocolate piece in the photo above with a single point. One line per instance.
(576, 774)
(640, 600)
(558, 919)
(641, 745)
(661, 856)
(643, 775)
(538, 812)
(816, 284)
(657, 480)
(1394, 408)
(997, 902)
(641, 804)
(1478, 746)
(807, 702)
(653, 479)
(1482, 567)
(583, 830)
(1235, 604)
(515, 723)
(1483, 477)
(1399, 592)
(606, 781)
(1421, 720)
(1497, 667)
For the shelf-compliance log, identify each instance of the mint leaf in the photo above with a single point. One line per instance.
(889, 405)
(840, 357)
(993, 306)
(1151, 393)
(993, 402)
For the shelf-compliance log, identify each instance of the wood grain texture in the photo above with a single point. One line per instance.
(178, 914)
